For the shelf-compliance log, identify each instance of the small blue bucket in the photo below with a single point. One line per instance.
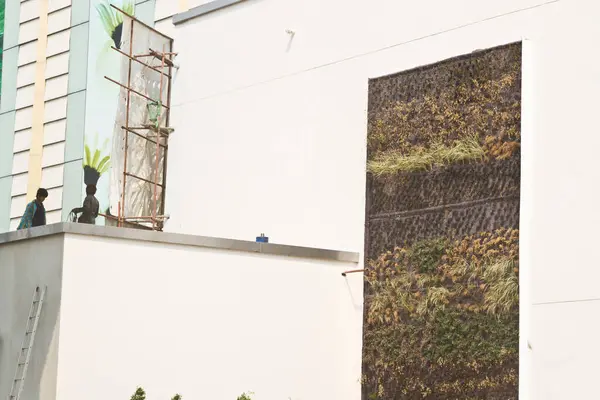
(262, 238)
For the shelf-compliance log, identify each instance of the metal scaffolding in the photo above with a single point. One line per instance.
(145, 130)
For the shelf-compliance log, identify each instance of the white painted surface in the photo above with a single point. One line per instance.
(54, 5)
(55, 131)
(22, 269)
(57, 43)
(277, 139)
(25, 96)
(53, 154)
(27, 53)
(17, 207)
(57, 65)
(209, 324)
(20, 162)
(26, 75)
(19, 185)
(29, 31)
(23, 118)
(56, 87)
(52, 176)
(59, 20)
(29, 10)
(55, 109)
(53, 202)
(22, 140)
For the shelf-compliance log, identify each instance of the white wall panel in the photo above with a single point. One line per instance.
(54, 199)
(14, 222)
(29, 10)
(27, 53)
(304, 342)
(20, 162)
(53, 217)
(23, 118)
(17, 205)
(166, 8)
(59, 20)
(22, 140)
(26, 75)
(54, 5)
(19, 185)
(57, 65)
(52, 176)
(55, 131)
(55, 109)
(56, 87)
(53, 154)
(25, 96)
(29, 31)
(58, 43)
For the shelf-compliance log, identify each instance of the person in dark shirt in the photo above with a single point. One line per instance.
(90, 208)
(35, 213)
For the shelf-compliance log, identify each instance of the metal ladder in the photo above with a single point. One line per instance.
(25, 352)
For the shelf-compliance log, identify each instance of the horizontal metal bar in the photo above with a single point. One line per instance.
(142, 179)
(352, 271)
(144, 137)
(134, 91)
(141, 62)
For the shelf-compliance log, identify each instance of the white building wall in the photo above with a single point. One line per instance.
(271, 132)
(209, 324)
(24, 265)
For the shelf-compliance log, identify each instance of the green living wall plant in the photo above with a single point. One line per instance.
(442, 320)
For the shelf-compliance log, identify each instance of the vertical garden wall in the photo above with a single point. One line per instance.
(441, 306)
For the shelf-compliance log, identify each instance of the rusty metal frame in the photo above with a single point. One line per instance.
(158, 137)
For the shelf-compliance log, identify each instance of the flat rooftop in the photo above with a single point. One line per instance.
(178, 239)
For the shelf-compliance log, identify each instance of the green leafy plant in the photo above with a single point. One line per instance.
(245, 396)
(443, 319)
(112, 20)
(94, 159)
(140, 394)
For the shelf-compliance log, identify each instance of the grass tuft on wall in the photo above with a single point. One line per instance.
(461, 151)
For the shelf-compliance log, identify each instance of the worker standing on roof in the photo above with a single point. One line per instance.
(90, 208)
(35, 213)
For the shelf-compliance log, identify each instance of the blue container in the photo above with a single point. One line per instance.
(262, 238)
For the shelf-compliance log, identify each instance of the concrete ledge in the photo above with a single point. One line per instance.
(202, 10)
(179, 239)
